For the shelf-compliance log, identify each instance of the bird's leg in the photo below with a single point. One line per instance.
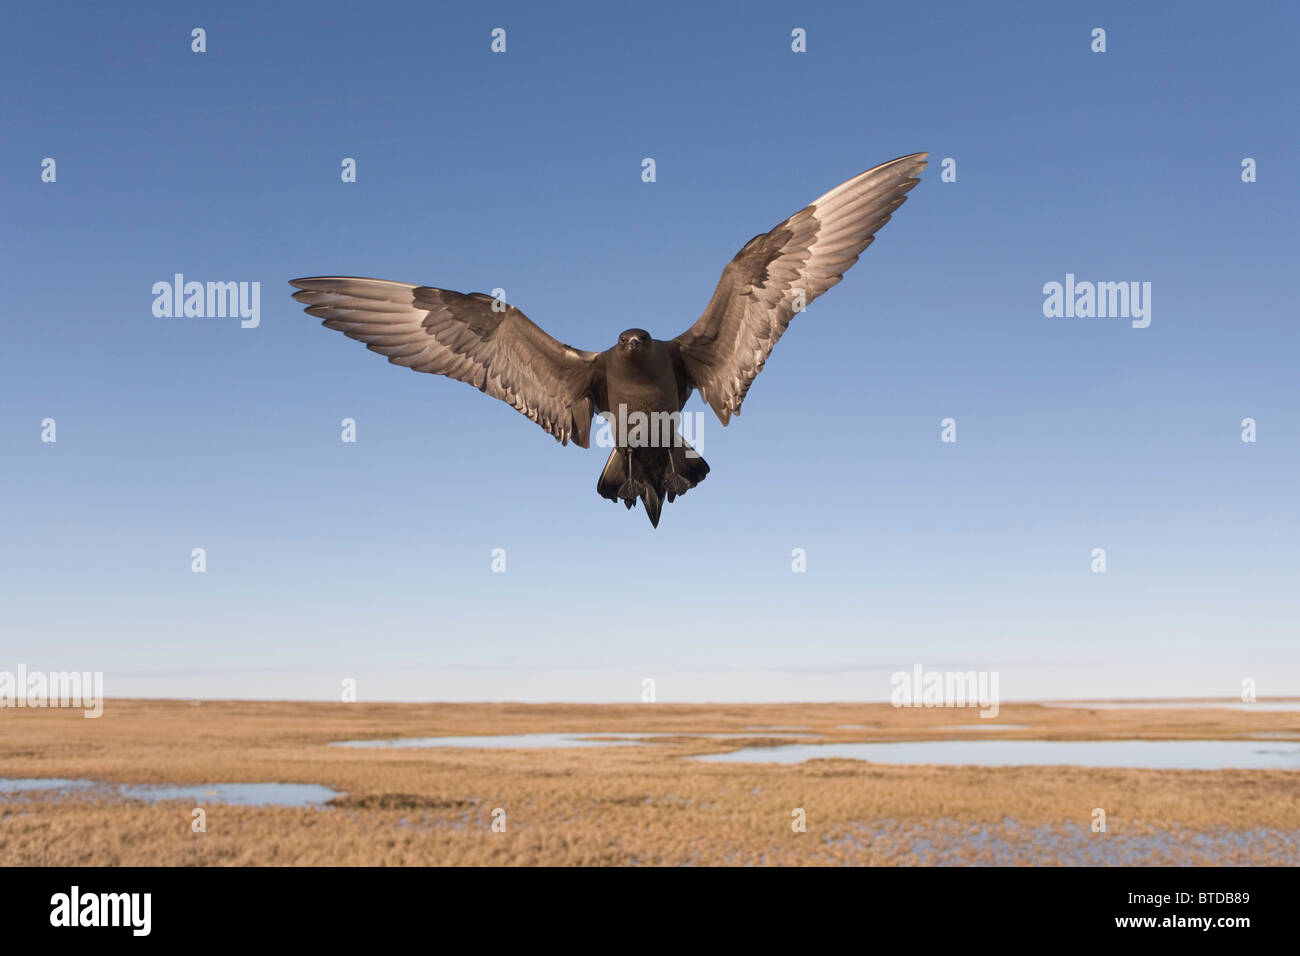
(675, 483)
(670, 477)
(628, 490)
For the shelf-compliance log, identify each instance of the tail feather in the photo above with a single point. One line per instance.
(656, 474)
(650, 498)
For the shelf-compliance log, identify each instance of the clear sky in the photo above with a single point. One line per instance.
(523, 170)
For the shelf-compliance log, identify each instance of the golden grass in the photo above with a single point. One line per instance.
(625, 805)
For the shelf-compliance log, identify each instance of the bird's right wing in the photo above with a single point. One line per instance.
(500, 352)
(763, 288)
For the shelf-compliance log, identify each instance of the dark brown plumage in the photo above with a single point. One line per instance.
(497, 349)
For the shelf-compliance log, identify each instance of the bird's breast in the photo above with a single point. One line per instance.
(644, 385)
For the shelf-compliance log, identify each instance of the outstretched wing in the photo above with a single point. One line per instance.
(501, 353)
(765, 285)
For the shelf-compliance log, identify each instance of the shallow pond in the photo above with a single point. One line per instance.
(235, 794)
(1140, 754)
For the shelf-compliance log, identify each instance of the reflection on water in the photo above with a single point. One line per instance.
(235, 794)
(1140, 754)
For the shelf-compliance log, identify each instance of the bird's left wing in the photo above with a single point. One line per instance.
(499, 351)
(774, 274)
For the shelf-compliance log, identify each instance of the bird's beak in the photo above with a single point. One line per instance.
(633, 344)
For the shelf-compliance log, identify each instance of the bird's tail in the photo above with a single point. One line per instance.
(651, 474)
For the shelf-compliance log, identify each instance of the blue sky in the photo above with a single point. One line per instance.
(522, 170)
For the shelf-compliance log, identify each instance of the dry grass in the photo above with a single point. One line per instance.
(623, 805)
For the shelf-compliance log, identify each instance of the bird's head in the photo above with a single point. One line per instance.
(633, 340)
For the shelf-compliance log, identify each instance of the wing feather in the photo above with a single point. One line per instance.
(757, 295)
(500, 352)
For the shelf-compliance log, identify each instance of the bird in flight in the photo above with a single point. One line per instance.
(477, 339)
